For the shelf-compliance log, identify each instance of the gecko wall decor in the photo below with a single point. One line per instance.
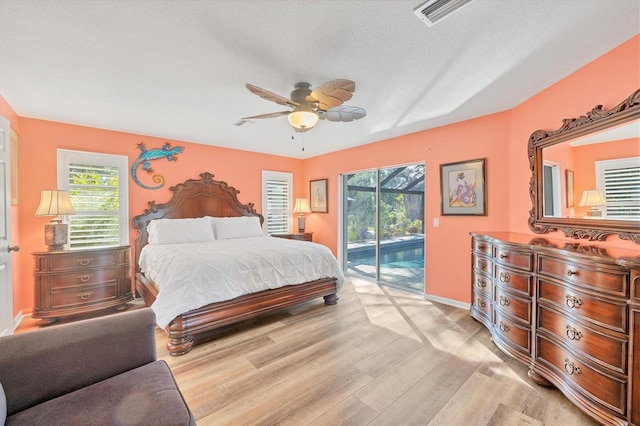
(146, 155)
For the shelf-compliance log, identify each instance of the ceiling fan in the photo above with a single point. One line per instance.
(308, 106)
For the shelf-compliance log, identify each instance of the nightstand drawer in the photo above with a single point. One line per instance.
(85, 277)
(75, 260)
(77, 296)
(306, 236)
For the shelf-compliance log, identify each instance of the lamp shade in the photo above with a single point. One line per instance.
(302, 206)
(592, 198)
(303, 120)
(54, 203)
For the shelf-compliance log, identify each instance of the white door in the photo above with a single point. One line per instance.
(6, 291)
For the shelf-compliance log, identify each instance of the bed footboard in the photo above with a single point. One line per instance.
(184, 327)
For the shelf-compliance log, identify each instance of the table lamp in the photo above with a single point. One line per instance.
(593, 198)
(301, 207)
(55, 203)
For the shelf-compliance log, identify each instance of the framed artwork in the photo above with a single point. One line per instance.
(318, 192)
(463, 186)
(570, 188)
(14, 147)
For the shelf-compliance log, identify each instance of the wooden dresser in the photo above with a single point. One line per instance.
(568, 310)
(69, 282)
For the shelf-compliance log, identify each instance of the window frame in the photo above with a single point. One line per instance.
(65, 157)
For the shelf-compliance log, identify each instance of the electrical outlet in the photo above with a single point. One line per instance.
(436, 222)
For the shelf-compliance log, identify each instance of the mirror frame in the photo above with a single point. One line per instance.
(595, 120)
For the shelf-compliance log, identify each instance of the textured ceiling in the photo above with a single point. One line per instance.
(177, 69)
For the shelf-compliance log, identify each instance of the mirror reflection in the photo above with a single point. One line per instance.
(594, 177)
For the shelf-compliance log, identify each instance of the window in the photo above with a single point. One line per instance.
(277, 188)
(619, 180)
(98, 189)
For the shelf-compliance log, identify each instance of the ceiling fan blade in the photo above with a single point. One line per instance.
(333, 93)
(270, 115)
(343, 113)
(270, 96)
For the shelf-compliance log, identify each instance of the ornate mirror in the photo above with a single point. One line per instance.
(585, 176)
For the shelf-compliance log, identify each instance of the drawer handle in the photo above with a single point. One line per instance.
(573, 334)
(573, 302)
(504, 327)
(482, 283)
(84, 278)
(504, 278)
(482, 263)
(84, 261)
(504, 301)
(503, 256)
(571, 273)
(481, 303)
(570, 368)
(85, 295)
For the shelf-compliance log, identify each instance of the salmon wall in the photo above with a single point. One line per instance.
(39, 141)
(500, 138)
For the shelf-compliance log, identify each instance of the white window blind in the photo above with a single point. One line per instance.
(619, 180)
(97, 185)
(276, 201)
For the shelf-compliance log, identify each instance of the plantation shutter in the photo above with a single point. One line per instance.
(622, 191)
(277, 207)
(95, 194)
(619, 180)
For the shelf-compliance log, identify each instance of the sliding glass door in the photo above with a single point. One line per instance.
(383, 228)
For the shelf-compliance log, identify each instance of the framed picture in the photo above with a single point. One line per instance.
(463, 186)
(318, 192)
(570, 188)
(13, 140)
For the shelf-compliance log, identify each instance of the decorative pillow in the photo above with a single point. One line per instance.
(177, 231)
(3, 406)
(237, 227)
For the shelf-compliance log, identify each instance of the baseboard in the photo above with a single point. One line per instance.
(450, 302)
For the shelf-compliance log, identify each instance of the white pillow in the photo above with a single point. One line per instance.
(237, 227)
(177, 231)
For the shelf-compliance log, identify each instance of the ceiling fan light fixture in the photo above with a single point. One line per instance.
(303, 120)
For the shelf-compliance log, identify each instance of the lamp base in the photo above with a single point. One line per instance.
(301, 224)
(55, 235)
(594, 213)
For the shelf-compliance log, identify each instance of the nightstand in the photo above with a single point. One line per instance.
(303, 236)
(70, 282)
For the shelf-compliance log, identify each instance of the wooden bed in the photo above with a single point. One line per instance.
(208, 197)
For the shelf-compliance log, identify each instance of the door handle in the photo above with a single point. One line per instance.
(12, 248)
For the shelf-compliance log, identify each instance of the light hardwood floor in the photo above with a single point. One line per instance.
(379, 357)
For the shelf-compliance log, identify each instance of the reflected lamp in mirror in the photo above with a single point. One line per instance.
(55, 203)
(301, 207)
(593, 198)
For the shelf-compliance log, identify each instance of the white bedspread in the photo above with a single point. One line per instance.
(192, 275)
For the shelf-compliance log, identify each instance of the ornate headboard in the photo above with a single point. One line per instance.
(193, 198)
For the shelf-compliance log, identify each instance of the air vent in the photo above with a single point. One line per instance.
(244, 123)
(436, 10)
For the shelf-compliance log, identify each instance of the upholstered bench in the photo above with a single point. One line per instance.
(97, 371)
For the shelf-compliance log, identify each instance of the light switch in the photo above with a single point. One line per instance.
(436, 222)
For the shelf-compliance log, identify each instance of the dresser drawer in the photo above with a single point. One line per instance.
(516, 259)
(513, 305)
(481, 303)
(481, 283)
(604, 388)
(76, 260)
(520, 281)
(609, 313)
(516, 334)
(481, 246)
(84, 277)
(78, 296)
(599, 278)
(482, 263)
(600, 346)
